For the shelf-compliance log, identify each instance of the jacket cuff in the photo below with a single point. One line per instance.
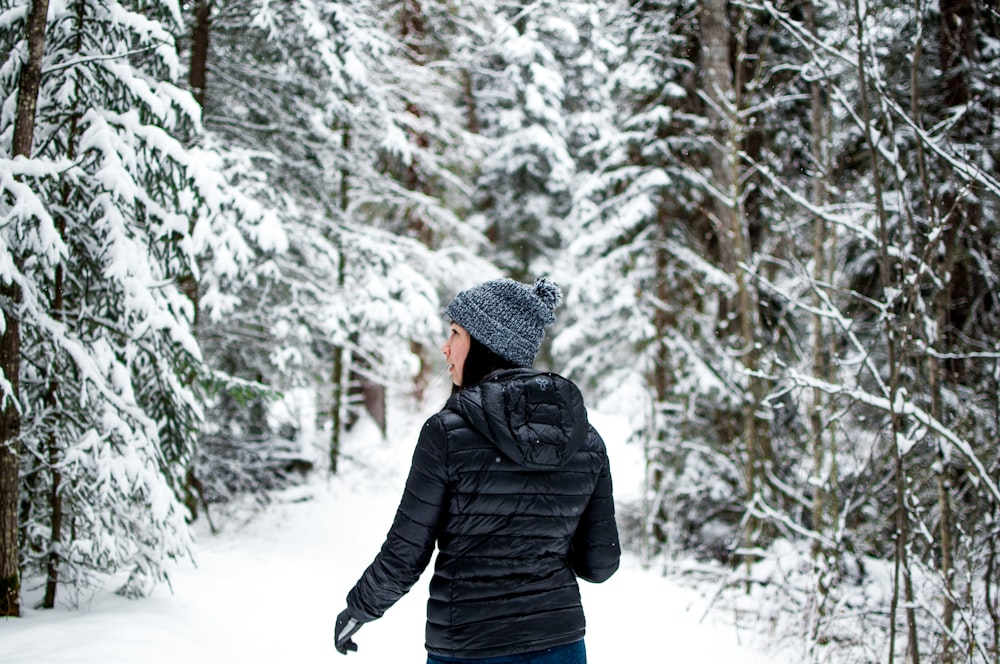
(356, 612)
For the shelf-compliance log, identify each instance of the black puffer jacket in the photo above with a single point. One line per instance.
(513, 485)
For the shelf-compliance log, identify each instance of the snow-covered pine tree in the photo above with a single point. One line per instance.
(522, 193)
(96, 230)
(643, 305)
(428, 155)
(261, 73)
(310, 105)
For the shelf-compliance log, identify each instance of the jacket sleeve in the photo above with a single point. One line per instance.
(596, 551)
(410, 543)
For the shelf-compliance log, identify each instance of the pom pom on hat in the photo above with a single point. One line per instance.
(548, 292)
(508, 317)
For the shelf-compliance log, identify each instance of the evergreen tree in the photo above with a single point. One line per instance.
(523, 186)
(96, 234)
(644, 304)
(325, 120)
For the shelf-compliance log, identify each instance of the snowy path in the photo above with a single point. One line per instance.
(270, 594)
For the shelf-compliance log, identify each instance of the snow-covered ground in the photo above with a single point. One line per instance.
(271, 590)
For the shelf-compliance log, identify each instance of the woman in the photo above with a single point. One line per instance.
(512, 485)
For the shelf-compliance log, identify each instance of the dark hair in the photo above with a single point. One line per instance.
(480, 363)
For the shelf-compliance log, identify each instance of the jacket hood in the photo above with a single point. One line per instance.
(536, 419)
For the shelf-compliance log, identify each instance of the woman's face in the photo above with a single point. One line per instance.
(455, 350)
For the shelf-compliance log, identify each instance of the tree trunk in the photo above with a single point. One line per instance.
(10, 429)
(52, 390)
(901, 571)
(336, 407)
(989, 577)
(958, 23)
(724, 86)
(824, 465)
(942, 304)
(472, 111)
(30, 80)
(944, 522)
(413, 35)
(658, 519)
(52, 402)
(29, 84)
(198, 80)
(194, 494)
(340, 353)
(992, 573)
(198, 75)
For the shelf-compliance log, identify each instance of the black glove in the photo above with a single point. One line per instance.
(346, 627)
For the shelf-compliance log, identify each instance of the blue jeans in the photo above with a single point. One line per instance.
(574, 653)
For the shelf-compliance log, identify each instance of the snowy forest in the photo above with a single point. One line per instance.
(775, 222)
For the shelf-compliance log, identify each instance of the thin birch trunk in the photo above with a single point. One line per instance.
(823, 454)
(942, 304)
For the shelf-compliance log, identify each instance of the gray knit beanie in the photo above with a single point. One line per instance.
(508, 317)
